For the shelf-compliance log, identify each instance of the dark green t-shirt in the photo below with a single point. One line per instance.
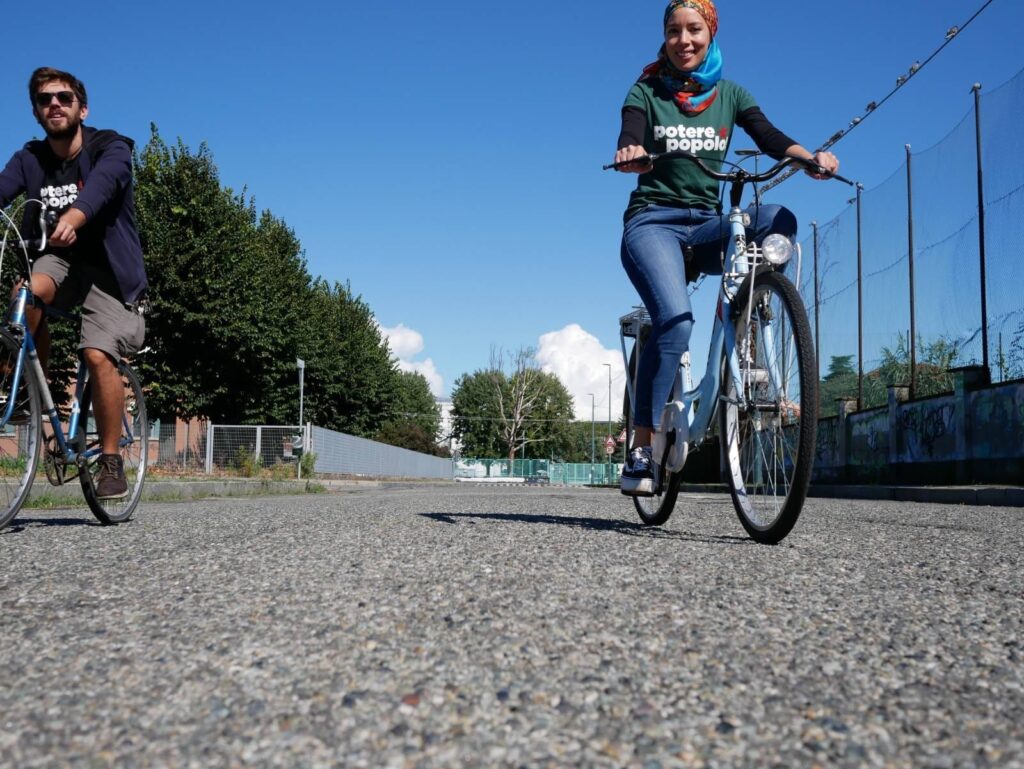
(679, 182)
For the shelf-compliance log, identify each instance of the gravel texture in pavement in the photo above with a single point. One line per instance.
(511, 627)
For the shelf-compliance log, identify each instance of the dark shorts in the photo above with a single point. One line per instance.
(107, 324)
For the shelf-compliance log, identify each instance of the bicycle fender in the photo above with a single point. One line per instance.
(744, 290)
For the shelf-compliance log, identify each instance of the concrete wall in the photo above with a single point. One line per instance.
(973, 435)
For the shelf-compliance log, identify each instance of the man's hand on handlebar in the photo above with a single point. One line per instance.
(65, 230)
(633, 152)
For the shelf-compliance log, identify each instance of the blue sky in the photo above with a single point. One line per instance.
(445, 158)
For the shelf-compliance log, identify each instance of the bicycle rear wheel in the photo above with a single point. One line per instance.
(654, 510)
(20, 439)
(769, 429)
(134, 450)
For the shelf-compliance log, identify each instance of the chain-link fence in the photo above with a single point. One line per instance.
(538, 471)
(282, 452)
(924, 224)
(251, 450)
(180, 446)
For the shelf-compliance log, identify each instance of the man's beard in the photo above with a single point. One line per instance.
(67, 132)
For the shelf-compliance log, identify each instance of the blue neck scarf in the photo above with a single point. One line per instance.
(693, 91)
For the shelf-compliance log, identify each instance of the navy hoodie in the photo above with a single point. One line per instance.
(107, 199)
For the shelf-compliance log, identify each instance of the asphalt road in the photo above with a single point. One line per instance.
(505, 627)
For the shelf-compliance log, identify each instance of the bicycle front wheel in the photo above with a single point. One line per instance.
(133, 446)
(21, 437)
(769, 427)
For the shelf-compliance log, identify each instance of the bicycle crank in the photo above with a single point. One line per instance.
(58, 472)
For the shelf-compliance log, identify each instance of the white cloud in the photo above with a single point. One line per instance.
(405, 344)
(429, 371)
(577, 358)
(403, 341)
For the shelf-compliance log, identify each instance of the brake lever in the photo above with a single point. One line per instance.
(810, 165)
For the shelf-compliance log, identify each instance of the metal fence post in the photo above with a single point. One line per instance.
(860, 309)
(981, 224)
(209, 449)
(912, 347)
(817, 337)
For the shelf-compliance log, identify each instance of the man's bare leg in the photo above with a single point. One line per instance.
(43, 287)
(107, 397)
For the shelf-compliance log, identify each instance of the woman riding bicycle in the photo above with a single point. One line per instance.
(672, 223)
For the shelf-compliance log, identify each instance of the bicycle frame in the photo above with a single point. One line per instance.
(28, 364)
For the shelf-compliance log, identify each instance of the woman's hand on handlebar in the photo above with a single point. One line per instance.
(825, 160)
(633, 152)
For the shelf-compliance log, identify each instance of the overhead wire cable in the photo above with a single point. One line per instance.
(872, 107)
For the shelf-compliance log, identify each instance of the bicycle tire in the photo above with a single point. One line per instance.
(20, 444)
(657, 509)
(134, 452)
(768, 444)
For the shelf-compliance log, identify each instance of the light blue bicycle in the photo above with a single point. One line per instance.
(25, 399)
(761, 380)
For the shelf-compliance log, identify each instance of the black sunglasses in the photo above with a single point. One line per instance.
(44, 98)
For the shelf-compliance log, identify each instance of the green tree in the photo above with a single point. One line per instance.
(581, 432)
(416, 418)
(475, 415)
(839, 382)
(935, 359)
(226, 293)
(521, 412)
(233, 306)
(1011, 364)
(547, 431)
(351, 379)
(840, 366)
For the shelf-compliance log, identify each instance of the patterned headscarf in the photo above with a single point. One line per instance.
(705, 8)
(693, 91)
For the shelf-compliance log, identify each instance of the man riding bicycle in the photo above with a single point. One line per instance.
(93, 256)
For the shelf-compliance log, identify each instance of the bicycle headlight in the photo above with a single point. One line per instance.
(777, 249)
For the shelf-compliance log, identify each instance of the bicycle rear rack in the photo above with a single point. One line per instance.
(632, 323)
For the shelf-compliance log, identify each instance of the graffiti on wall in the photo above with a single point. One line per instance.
(927, 431)
(827, 448)
(997, 422)
(869, 440)
(924, 433)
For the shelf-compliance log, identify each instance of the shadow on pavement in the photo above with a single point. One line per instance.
(628, 528)
(20, 524)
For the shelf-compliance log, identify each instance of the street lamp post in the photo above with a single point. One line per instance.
(302, 375)
(609, 365)
(591, 431)
(302, 371)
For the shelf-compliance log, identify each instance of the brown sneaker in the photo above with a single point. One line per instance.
(110, 480)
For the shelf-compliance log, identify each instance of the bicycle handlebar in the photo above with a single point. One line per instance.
(739, 175)
(47, 220)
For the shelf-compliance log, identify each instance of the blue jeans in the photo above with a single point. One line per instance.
(652, 253)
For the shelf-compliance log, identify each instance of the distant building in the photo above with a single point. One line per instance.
(444, 430)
